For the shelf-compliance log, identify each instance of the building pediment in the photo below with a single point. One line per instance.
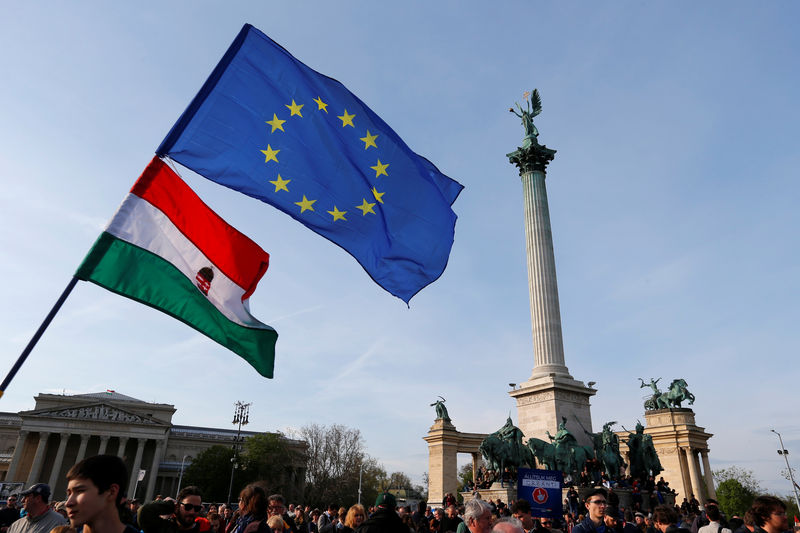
(99, 412)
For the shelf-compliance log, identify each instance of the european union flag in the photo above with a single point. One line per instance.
(270, 127)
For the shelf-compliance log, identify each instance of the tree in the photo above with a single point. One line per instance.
(464, 476)
(736, 489)
(335, 457)
(268, 459)
(211, 471)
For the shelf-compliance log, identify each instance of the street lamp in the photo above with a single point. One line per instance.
(241, 416)
(785, 453)
(180, 478)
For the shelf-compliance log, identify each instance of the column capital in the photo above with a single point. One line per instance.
(533, 157)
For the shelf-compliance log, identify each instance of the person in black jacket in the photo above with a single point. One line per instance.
(385, 519)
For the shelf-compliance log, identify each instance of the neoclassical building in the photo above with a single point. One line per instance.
(40, 445)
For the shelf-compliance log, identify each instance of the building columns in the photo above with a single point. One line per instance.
(38, 459)
(103, 444)
(123, 441)
(137, 465)
(694, 473)
(151, 477)
(12, 468)
(54, 473)
(82, 447)
(709, 476)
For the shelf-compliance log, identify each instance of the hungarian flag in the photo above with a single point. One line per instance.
(167, 249)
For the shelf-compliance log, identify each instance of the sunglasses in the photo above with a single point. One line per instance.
(190, 507)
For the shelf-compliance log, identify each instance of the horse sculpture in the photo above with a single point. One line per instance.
(676, 394)
(504, 449)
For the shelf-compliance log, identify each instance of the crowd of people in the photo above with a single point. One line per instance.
(96, 503)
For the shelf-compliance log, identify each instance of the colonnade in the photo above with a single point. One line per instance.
(690, 464)
(36, 474)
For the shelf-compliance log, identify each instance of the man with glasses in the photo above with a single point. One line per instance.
(183, 513)
(769, 515)
(596, 512)
(9, 514)
(277, 507)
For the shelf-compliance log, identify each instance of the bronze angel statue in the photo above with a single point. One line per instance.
(532, 108)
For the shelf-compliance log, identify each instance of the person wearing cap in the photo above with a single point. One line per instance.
(385, 518)
(39, 518)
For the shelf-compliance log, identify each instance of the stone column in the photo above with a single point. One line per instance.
(14, 465)
(709, 476)
(474, 469)
(442, 442)
(56, 471)
(82, 447)
(694, 473)
(123, 441)
(151, 476)
(137, 465)
(103, 444)
(548, 344)
(38, 459)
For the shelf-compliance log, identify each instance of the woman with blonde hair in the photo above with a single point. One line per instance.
(355, 517)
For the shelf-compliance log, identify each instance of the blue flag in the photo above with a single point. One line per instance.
(270, 127)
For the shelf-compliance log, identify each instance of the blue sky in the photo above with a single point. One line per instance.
(673, 202)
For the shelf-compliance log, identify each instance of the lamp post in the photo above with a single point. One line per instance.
(241, 416)
(785, 453)
(360, 473)
(180, 478)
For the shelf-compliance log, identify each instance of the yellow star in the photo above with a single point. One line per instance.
(366, 207)
(295, 109)
(337, 215)
(276, 123)
(378, 195)
(306, 204)
(321, 106)
(369, 140)
(347, 120)
(380, 168)
(280, 184)
(270, 153)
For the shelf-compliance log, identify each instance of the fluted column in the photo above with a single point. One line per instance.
(82, 447)
(103, 444)
(151, 477)
(137, 465)
(14, 465)
(123, 441)
(38, 459)
(694, 473)
(548, 344)
(709, 476)
(59, 461)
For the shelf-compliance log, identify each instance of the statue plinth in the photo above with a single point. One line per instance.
(682, 448)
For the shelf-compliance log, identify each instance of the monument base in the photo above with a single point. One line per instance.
(544, 399)
(681, 446)
(507, 493)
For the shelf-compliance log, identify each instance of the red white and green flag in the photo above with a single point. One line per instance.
(167, 249)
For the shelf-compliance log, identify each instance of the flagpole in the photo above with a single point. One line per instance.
(37, 335)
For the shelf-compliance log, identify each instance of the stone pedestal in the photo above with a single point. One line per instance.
(445, 442)
(682, 448)
(541, 402)
(505, 493)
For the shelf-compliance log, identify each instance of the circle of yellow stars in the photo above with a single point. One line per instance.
(282, 184)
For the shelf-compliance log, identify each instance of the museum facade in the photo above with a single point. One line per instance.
(41, 445)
